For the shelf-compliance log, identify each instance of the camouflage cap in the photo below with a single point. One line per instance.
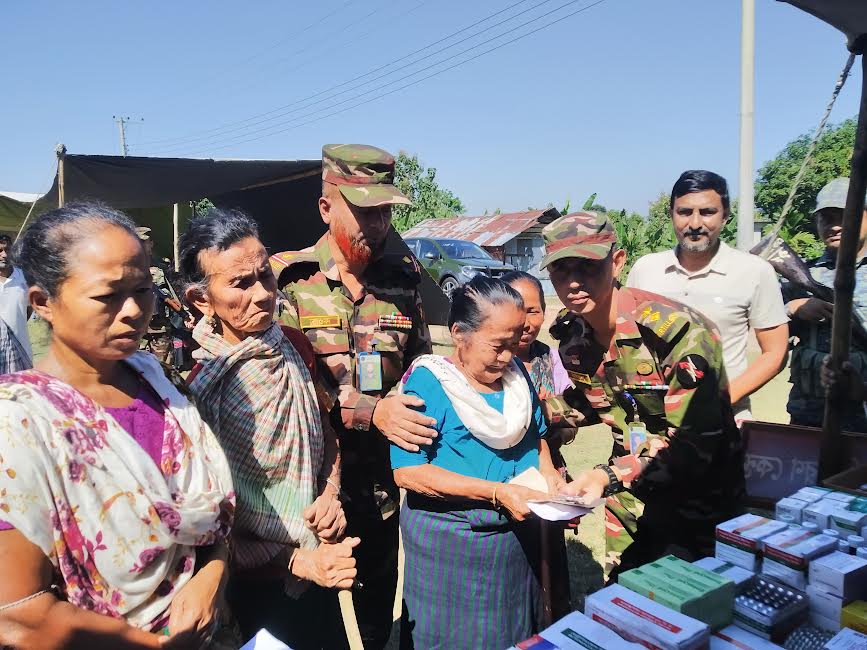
(580, 234)
(143, 233)
(833, 195)
(363, 174)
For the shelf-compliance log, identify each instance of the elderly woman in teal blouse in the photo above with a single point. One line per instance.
(470, 539)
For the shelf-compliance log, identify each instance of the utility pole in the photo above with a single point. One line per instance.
(121, 127)
(745, 175)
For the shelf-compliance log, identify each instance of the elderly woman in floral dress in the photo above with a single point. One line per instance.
(115, 496)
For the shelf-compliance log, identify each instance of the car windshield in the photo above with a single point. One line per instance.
(463, 250)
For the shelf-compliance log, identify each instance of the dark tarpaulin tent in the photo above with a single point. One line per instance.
(281, 195)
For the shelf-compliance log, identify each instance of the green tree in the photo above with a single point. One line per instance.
(429, 200)
(774, 181)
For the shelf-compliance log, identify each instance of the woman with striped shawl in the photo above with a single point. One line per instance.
(470, 540)
(256, 391)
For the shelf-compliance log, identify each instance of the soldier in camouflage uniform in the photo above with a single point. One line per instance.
(650, 368)
(811, 317)
(159, 335)
(362, 312)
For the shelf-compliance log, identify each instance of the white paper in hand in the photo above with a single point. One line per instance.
(550, 510)
(264, 641)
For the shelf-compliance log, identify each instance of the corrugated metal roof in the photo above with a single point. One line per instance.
(485, 231)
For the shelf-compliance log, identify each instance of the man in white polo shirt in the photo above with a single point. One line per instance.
(13, 296)
(736, 290)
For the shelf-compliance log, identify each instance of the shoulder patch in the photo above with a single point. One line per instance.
(665, 321)
(691, 370)
(291, 265)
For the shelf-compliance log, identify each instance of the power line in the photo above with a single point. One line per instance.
(258, 54)
(383, 75)
(228, 126)
(405, 86)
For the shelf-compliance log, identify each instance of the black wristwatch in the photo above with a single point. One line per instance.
(614, 484)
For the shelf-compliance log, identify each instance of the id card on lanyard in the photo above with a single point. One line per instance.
(369, 372)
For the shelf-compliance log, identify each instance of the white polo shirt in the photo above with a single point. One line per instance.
(737, 291)
(13, 306)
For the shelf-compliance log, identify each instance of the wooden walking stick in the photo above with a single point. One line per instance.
(350, 623)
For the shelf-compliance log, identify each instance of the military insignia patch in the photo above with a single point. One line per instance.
(643, 368)
(691, 370)
(579, 377)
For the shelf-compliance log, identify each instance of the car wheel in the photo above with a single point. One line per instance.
(448, 286)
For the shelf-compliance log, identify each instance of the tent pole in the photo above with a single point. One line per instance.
(830, 459)
(175, 250)
(60, 150)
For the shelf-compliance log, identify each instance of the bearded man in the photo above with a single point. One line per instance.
(735, 290)
(361, 310)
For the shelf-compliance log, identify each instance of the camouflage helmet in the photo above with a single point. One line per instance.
(580, 234)
(363, 174)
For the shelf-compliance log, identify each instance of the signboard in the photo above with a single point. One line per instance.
(781, 459)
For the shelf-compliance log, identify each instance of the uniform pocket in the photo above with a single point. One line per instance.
(389, 340)
(328, 340)
(650, 403)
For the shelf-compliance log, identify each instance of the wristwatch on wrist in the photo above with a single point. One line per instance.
(614, 484)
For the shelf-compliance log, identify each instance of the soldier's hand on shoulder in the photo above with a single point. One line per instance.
(398, 421)
(811, 310)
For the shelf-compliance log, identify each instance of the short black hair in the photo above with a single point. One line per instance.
(42, 252)
(699, 180)
(218, 228)
(469, 300)
(513, 277)
(5, 239)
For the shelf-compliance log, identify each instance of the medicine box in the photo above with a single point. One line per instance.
(740, 576)
(855, 616)
(819, 513)
(846, 521)
(840, 574)
(840, 496)
(812, 493)
(847, 639)
(735, 638)
(788, 554)
(739, 540)
(825, 609)
(577, 631)
(792, 507)
(635, 617)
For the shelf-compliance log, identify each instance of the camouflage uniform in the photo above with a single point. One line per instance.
(806, 403)
(159, 335)
(666, 359)
(339, 328)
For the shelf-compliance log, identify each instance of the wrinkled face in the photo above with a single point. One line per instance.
(829, 225)
(583, 285)
(486, 352)
(358, 232)
(102, 309)
(534, 311)
(698, 218)
(242, 289)
(4, 255)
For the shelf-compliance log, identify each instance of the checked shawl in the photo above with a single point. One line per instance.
(259, 399)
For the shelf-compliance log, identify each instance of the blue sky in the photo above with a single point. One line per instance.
(617, 99)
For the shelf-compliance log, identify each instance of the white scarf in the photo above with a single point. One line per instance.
(489, 426)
